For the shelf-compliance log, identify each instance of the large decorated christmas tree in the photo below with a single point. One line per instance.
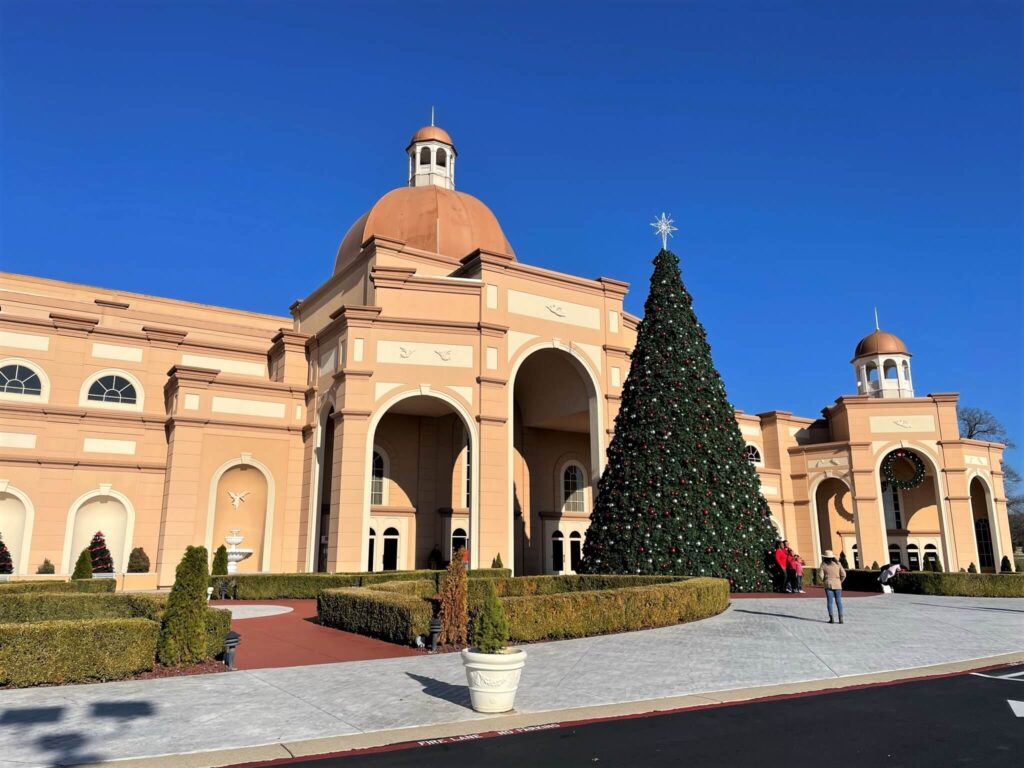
(6, 565)
(678, 496)
(102, 562)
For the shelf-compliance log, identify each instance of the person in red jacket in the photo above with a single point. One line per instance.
(781, 559)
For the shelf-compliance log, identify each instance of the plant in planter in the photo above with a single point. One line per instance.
(6, 566)
(492, 668)
(220, 562)
(83, 566)
(138, 561)
(46, 567)
(99, 555)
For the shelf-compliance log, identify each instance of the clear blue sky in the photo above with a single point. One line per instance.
(819, 159)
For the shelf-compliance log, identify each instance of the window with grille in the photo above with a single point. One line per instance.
(377, 480)
(752, 454)
(573, 495)
(17, 379)
(112, 389)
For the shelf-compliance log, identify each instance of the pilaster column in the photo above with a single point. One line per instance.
(869, 520)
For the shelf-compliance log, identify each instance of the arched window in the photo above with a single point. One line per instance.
(575, 550)
(390, 550)
(856, 556)
(983, 535)
(442, 158)
(906, 370)
(891, 372)
(373, 546)
(752, 454)
(931, 557)
(18, 379)
(112, 388)
(459, 539)
(891, 506)
(557, 552)
(872, 373)
(895, 554)
(573, 495)
(378, 478)
(469, 475)
(913, 557)
(425, 156)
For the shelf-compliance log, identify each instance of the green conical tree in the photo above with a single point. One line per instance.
(220, 562)
(183, 631)
(6, 565)
(83, 566)
(678, 495)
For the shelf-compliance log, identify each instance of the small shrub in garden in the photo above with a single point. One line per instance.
(843, 561)
(183, 634)
(972, 568)
(874, 565)
(83, 566)
(490, 626)
(99, 555)
(138, 561)
(220, 562)
(454, 593)
(1004, 565)
(46, 567)
(6, 566)
(496, 562)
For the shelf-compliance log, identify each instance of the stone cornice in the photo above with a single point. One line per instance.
(356, 316)
(352, 373)
(164, 337)
(56, 462)
(110, 304)
(204, 422)
(354, 413)
(192, 375)
(974, 443)
(286, 337)
(491, 381)
(611, 349)
(484, 419)
(74, 324)
(71, 415)
(613, 287)
(492, 330)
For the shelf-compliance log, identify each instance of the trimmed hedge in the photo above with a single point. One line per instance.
(417, 587)
(857, 580)
(391, 616)
(960, 584)
(524, 586)
(22, 608)
(218, 624)
(298, 586)
(76, 651)
(603, 611)
(84, 585)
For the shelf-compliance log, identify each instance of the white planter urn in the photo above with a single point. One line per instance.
(493, 678)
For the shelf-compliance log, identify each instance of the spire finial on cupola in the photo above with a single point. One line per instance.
(431, 157)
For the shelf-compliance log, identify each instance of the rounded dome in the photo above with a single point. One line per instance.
(431, 133)
(881, 343)
(428, 218)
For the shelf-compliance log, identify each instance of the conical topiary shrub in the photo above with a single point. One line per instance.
(138, 561)
(83, 566)
(843, 561)
(6, 565)
(454, 613)
(99, 555)
(972, 568)
(183, 632)
(220, 561)
(1004, 565)
(496, 562)
(46, 567)
(490, 625)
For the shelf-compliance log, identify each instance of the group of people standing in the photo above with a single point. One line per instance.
(788, 570)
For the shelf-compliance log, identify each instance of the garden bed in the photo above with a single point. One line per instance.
(538, 607)
(301, 586)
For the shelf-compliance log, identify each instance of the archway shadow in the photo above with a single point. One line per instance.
(456, 694)
(972, 608)
(777, 615)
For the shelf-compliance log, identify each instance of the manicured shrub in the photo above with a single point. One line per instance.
(183, 633)
(6, 566)
(1004, 565)
(102, 562)
(972, 568)
(75, 651)
(86, 585)
(489, 573)
(843, 561)
(490, 625)
(417, 587)
(220, 562)
(874, 565)
(391, 616)
(138, 561)
(46, 567)
(55, 606)
(496, 562)
(218, 624)
(961, 584)
(454, 613)
(83, 566)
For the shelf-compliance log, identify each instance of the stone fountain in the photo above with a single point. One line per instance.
(235, 555)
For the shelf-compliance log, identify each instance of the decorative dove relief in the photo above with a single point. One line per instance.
(556, 309)
(237, 498)
(901, 423)
(406, 352)
(444, 354)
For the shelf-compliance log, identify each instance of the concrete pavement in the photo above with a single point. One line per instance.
(756, 643)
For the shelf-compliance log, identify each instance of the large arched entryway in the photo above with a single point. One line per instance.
(914, 525)
(984, 527)
(420, 483)
(556, 459)
(834, 513)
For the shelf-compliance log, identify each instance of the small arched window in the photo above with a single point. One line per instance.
(575, 550)
(377, 478)
(459, 539)
(873, 373)
(895, 554)
(390, 562)
(906, 370)
(17, 379)
(112, 389)
(557, 552)
(856, 556)
(425, 156)
(442, 158)
(890, 369)
(913, 557)
(752, 454)
(573, 495)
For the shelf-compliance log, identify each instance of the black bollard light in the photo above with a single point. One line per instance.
(231, 642)
(435, 630)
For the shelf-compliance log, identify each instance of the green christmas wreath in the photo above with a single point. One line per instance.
(915, 462)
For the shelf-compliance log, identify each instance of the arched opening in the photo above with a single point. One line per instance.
(856, 556)
(418, 480)
(834, 509)
(459, 541)
(895, 554)
(931, 557)
(390, 554)
(751, 454)
(872, 371)
(16, 527)
(240, 503)
(913, 557)
(575, 550)
(890, 369)
(425, 156)
(100, 513)
(372, 547)
(442, 158)
(556, 453)
(982, 527)
(323, 526)
(557, 552)
(906, 371)
(910, 501)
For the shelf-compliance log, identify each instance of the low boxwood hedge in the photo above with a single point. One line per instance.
(82, 585)
(387, 615)
(298, 586)
(76, 651)
(218, 624)
(67, 607)
(961, 584)
(418, 587)
(857, 579)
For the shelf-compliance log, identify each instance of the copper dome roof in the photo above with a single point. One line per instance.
(881, 343)
(431, 133)
(428, 218)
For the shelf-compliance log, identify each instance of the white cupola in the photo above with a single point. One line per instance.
(882, 364)
(431, 158)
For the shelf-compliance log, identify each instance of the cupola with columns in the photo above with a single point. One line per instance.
(882, 365)
(431, 157)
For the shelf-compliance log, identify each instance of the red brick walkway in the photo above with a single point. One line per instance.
(293, 640)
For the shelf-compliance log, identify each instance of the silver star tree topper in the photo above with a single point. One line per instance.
(663, 226)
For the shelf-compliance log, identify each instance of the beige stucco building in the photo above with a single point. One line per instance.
(435, 391)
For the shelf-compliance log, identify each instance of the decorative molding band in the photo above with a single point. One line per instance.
(111, 304)
(354, 413)
(164, 337)
(204, 422)
(76, 323)
(82, 463)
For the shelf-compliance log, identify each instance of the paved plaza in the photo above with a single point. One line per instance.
(755, 643)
